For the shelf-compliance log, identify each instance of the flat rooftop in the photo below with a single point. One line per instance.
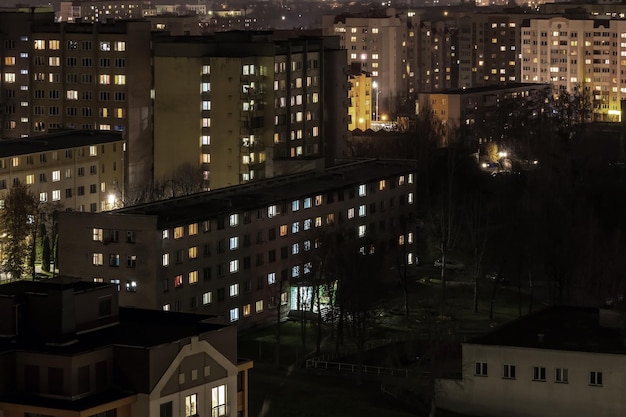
(558, 328)
(58, 140)
(491, 88)
(210, 204)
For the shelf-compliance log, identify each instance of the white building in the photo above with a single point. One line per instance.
(573, 53)
(561, 361)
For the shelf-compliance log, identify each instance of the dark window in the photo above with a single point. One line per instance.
(283, 252)
(31, 379)
(81, 190)
(93, 188)
(207, 249)
(206, 272)
(246, 262)
(166, 410)
(105, 307)
(84, 379)
(259, 259)
(221, 294)
(272, 233)
(130, 237)
(55, 381)
(272, 255)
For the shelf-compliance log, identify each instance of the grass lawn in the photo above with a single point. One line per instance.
(291, 390)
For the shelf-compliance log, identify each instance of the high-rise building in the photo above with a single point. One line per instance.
(377, 41)
(363, 100)
(241, 105)
(578, 54)
(80, 76)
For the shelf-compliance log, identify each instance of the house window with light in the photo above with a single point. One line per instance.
(362, 211)
(234, 266)
(234, 220)
(97, 235)
(178, 232)
(234, 243)
(362, 190)
(97, 259)
(165, 259)
(233, 290)
(271, 278)
(362, 230)
(258, 306)
(206, 298)
(234, 314)
(193, 277)
(191, 405)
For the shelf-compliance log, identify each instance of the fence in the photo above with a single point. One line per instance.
(354, 368)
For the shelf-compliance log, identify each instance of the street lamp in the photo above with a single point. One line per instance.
(377, 91)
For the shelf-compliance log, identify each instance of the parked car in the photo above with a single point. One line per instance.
(450, 264)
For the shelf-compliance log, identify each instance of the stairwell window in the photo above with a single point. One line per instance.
(595, 378)
(508, 372)
(480, 369)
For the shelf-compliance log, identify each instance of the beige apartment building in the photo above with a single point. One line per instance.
(363, 102)
(560, 361)
(241, 252)
(76, 170)
(67, 349)
(574, 53)
(240, 106)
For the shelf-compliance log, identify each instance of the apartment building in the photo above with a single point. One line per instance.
(469, 108)
(92, 11)
(560, 361)
(240, 104)
(77, 169)
(576, 54)
(240, 252)
(78, 76)
(377, 41)
(68, 349)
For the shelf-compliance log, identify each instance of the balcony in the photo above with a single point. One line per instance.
(221, 410)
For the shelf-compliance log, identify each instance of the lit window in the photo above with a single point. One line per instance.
(97, 259)
(56, 195)
(234, 242)
(307, 203)
(271, 278)
(165, 234)
(93, 150)
(318, 222)
(119, 46)
(131, 286)
(362, 230)
(191, 405)
(206, 298)
(30, 179)
(362, 190)
(178, 232)
(382, 184)
(234, 314)
(56, 176)
(206, 158)
(97, 235)
(271, 211)
(178, 281)
(193, 277)
(295, 227)
(283, 230)
(246, 310)
(233, 290)
(193, 252)
(234, 220)
(295, 205)
(259, 306)
(351, 213)
(318, 200)
(234, 266)
(206, 139)
(307, 224)
(165, 259)
(166, 307)
(193, 229)
(295, 271)
(410, 198)
(120, 79)
(362, 211)
(105, 46)
(43, 197)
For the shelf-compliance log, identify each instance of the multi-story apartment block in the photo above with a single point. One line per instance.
(377, 41)
(238, 252)
(561, 361)
(78, 76)
(467, 109)
(240, 103)
(68, 349)
(92, 11)
(578, 54)
(362, 108)
(77, 170)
